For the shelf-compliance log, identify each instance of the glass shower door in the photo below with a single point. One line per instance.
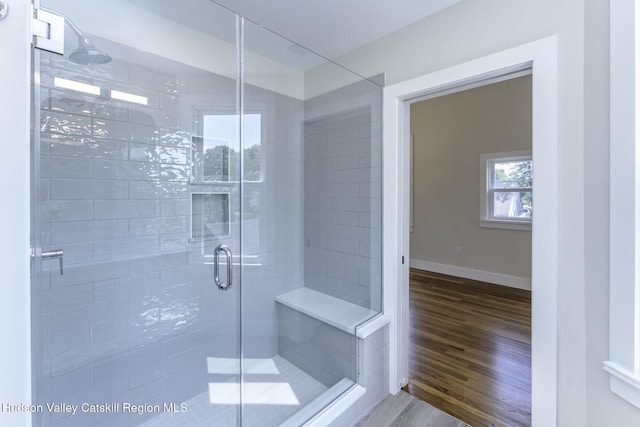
(311, 270)
(136, 166)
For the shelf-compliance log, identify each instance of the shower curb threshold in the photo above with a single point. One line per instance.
(341, 400)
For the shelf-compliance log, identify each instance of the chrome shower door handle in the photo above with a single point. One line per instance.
(216, 267)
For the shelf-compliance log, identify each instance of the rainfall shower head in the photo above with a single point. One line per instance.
(86, 53)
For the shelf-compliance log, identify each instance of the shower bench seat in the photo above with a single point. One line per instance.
(319, 333)
(333, 311)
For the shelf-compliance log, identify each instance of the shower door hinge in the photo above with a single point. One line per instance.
(47, 29)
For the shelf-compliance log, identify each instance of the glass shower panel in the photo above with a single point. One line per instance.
(311, 213)
(138, 169)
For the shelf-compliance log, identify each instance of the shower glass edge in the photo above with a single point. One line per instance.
(312, 217)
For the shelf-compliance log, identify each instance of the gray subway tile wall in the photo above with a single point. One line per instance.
(343, 194)
(77, 189)
(136, 313)
(374, 373)
(309, 344)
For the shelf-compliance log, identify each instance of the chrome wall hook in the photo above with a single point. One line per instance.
(4, 9)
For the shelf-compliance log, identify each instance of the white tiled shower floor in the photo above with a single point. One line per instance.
(274, 390)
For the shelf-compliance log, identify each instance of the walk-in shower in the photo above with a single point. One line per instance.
(213, 192)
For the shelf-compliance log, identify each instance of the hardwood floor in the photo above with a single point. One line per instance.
(470, 349)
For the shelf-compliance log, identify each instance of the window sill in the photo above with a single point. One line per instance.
(624, 383)
(506, 225)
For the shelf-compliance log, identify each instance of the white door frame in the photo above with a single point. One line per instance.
(541, 57)
(15, 304)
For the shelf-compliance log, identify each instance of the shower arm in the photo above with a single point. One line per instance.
(68, 21)
(86, 52)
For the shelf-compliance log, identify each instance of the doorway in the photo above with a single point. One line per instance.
(470, 231)
(541, 57)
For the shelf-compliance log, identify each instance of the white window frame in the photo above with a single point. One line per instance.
(487, 162)
(624, 277)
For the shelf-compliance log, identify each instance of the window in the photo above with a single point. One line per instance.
(215, 165)
(506, 199)
(215, 154)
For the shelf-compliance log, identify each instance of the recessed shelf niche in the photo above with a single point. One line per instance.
(209, 215)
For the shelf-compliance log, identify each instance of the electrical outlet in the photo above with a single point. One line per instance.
(458, 250)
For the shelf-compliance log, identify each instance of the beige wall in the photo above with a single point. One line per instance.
(471, 29)
(451, 132)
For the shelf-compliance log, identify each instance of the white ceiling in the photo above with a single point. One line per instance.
(334, 27)
(327, 27)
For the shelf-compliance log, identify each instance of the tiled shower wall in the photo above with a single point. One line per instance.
(136, 312)
(343, 194)
(277, 267)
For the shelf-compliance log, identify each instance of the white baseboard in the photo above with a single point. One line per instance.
(468, 273)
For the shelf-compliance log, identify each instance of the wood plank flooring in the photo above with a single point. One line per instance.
(470, 349)
(404, 410)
